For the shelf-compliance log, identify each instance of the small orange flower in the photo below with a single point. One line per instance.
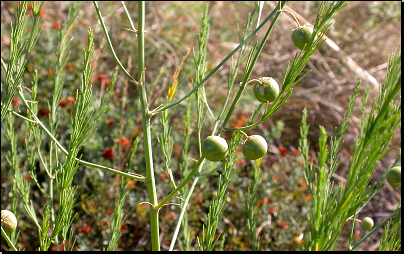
(69, 66)
(15, 101)
(283, 151)
(43, 112)
(131, 184)
(122, 230)
(272, 210)
(308, 197)
(57, 25)
(70, 100)
(63, 103)
(110, 122)
(239, 121)
(177, 149)
(124, 142)
(282, 225)
(265, 200)
(241, 162)
(163, 176)
(298, 239)
(294, 152)
(109, 212)
(275, 178)
(108, 153)
(100, 77)
(105, 82)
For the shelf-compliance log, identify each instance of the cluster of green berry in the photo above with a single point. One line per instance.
(266, 90)
(215, 148)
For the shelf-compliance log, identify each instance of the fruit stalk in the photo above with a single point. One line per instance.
(151, 186)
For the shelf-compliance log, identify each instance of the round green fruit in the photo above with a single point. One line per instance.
(214, 148)
(394, 177)
(254, 147)
(301, 36)
(8, 221)
(266, 90)
(367, 224)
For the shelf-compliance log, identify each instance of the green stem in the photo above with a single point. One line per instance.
(249, 71)
(151, 186)
(196, 168)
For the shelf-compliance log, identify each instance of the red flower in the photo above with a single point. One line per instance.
(100, 77)
(108, 153)
(69, 66)
(177, 149)
(283, 151)
(163, 176)
(105, 82)
(282, 225)
(70, 100)
(43, 112)
(109, 212)
(294, 152)
(57, 25)
(272, 210)
(110, 122)
(103, 79)
(15, 101)
(124, 142)
(131, 184)
(63, 103)
(122, 230)
(241, 162)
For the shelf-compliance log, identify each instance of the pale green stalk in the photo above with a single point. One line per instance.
(151, 185)
(5, 236)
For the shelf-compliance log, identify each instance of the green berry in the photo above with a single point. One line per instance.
(8, 221)
(301, 36)
(394, 177)
(266, 89)
(367, 224)
(214, 148)
(254, 147)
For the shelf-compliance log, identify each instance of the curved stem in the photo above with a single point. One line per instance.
(110, 43)
(293, 15)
